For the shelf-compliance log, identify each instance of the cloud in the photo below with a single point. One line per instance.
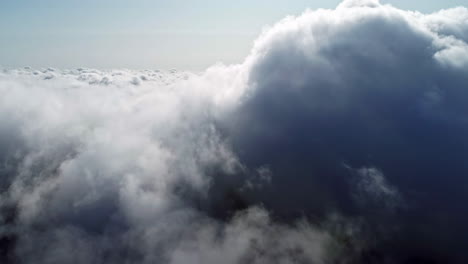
(372, 187)
(370, 86)
(251, 237)
(359, 3)
(101, 155)
(244, 163)
(98, 167)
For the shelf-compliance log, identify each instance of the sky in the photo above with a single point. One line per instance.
(146, 34)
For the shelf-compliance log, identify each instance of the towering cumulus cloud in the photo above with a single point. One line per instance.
(340, 139)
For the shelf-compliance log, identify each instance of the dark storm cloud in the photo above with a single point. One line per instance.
(340, 139)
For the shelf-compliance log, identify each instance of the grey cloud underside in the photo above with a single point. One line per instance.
(340, 139)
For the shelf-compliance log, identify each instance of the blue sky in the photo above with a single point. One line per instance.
(143, 33)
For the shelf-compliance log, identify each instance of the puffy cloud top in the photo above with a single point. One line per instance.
(359, 3)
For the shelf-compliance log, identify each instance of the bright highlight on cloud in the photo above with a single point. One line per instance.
(339, 139)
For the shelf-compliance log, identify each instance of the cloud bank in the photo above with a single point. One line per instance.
(339, 139)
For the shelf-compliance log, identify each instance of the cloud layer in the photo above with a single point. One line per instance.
(339, 139)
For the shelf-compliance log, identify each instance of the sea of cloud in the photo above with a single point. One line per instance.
(341, 138)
